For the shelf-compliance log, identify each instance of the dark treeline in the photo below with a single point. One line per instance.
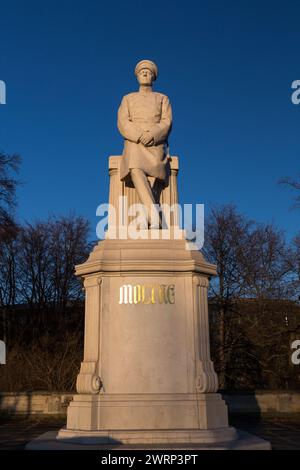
(254, 301)
(41, 303)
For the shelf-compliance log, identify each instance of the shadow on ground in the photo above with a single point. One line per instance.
(283, 431)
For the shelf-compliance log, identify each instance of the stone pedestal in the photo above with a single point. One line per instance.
(146, 376)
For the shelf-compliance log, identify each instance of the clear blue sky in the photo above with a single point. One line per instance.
(227, 67)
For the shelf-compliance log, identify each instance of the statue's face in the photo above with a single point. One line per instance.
(145, 77)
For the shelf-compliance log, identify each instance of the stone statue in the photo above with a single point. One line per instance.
(145, 120)
(146, 313)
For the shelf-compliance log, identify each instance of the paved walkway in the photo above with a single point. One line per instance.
(282, 431)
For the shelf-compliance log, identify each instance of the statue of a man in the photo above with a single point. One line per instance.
(145, 120)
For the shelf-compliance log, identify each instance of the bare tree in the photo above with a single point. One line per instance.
(48, 252)
(293, 184)
(266, 270)
(294, 265)
(68, 247)
(226, 236)
(8, 277)
(252, 271)
(9, 164)
(43, 299)
(34, 266)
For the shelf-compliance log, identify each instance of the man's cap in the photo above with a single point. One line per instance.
(146, 64)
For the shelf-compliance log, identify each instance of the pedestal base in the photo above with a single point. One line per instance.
(243, 441)
(147, 377)
(140, 412)
(151, 436)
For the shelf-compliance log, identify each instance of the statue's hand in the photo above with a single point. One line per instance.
(146, 139)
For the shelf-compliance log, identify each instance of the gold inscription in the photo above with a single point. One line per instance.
(147, 294)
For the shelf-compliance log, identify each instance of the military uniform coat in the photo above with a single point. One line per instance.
(141, 112)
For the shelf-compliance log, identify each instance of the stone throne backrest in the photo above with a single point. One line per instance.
(117, 188)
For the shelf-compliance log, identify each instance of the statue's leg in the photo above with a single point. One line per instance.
(145, 195)
(157, 188)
